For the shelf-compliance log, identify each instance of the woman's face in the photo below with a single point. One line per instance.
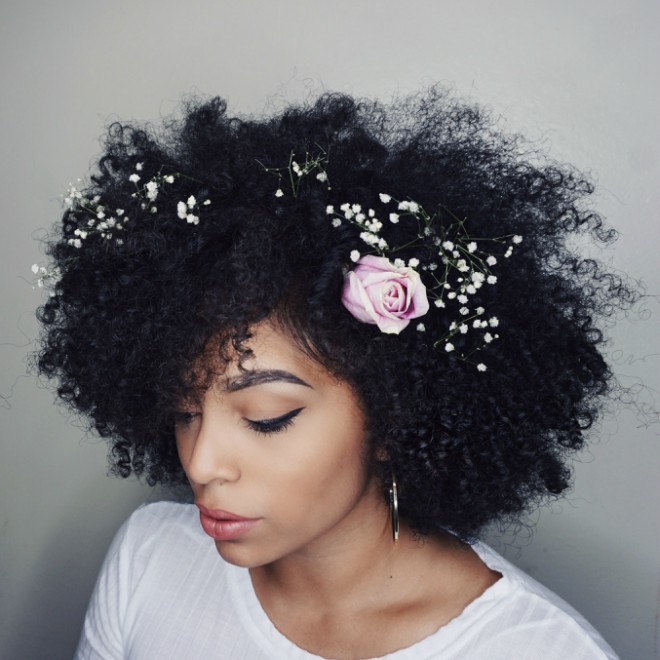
(275, 455)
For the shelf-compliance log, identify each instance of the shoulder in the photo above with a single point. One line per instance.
(521, 614)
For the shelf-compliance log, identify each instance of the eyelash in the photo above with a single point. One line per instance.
(182, 419)
(275, 425)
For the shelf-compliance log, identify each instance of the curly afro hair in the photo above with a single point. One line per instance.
(129, 317)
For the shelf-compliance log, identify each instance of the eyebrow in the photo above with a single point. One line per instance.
(261, 376)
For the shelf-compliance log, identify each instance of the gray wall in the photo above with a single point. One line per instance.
(580, 76)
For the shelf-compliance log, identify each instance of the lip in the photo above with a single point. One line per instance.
(223, 525)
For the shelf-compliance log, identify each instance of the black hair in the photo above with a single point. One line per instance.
(146, 288)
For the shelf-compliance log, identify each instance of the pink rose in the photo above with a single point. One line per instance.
(377, 291)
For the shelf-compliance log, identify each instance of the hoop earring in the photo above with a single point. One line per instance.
(394, 508)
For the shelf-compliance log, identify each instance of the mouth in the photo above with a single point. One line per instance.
(223, 525)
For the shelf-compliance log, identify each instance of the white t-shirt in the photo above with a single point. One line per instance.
(164, 592)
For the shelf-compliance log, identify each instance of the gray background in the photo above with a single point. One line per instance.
(578, 76)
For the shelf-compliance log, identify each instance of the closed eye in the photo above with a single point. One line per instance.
(274, 425)
(183, 418)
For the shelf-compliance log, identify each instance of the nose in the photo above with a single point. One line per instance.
(212, 455)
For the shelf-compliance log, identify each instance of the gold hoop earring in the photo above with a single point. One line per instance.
(394, 508)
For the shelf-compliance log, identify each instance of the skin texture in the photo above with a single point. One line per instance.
(321, 554)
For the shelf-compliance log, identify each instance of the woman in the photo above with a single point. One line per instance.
(356, 331)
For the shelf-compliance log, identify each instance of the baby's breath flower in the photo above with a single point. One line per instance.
(488, 337)
(517, 239)
(386, 199)
(394, 218)
(279, 192)
(421, 327)
(169, 179)
(448, 245)
(152, 190)
(399, 263)
(139, 166)
(336, 222)
(449, 347)
(322, 176)
(355, 256)
(472, 246)
(491, 279)
(192, 219)
(439, 303)
(206, 202)
(463, 311)
(119, 212)
(491, 260)
(481, 367)
(181, 210)
(191, 202)
(330, 209)
(462, 328)
(509, 252)
(479, 310)
(493, 321)
(134, 178)
(371, 213)
(413, 263)
(462, 298)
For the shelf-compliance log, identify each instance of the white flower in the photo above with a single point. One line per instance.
(206, 202)
(152, 190)
(493, 321)
(356, 208)
(168, 179)
(448, 245)
(386, 199)
(433, 266)
(382, 244)
(421, 327)
(491, 260)
(119, 212)
(472, 246)
(412, 207)
(35, 268)
(439, 303)
(462, 266)
(491, 279)
(451, 295)
(371, 213)
(182, 210)
(322, 176)
(134, 178)
(399, 263)
(119, 241)
(394, 218)
(191, 201)
(192, 219)
(330, 209)
(139, 166)
(296, 168)
(462, 299)
(336, 222)
(279, 192)
(449, 347)
(463, 328)
(480, 310)
(413, 263)
(463, 311)
(355, 256)
(517, 239)
(488, 337)
(509, 252)
(360, 217)
(470, 289)
(481, 367)
(153, 209)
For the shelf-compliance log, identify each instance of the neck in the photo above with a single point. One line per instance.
(357, 554)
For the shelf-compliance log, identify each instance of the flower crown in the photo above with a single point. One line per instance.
(387, 290)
